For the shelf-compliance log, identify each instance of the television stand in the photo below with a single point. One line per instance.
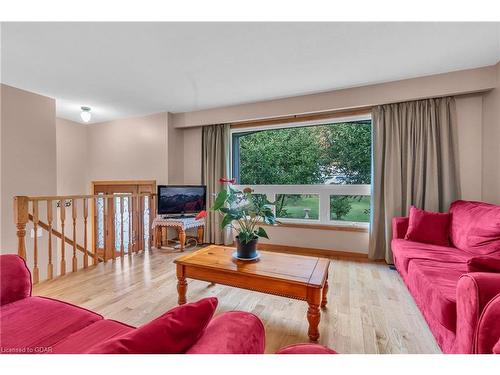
(180, 224)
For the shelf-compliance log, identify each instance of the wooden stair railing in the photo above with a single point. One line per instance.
(68, 240)
(28, 209)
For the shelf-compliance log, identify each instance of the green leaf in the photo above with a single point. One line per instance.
(244, 237)
(220, 200)
(261, 233)
(226, 220)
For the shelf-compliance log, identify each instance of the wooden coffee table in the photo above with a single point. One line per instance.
(294, 276)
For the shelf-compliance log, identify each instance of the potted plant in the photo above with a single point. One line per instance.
(244, 212)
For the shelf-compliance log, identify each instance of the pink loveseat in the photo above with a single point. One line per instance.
(461, 307)
(34, 325)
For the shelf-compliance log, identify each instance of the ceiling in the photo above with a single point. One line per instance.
(132, 69)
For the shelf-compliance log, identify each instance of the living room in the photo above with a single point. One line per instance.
(243, 188)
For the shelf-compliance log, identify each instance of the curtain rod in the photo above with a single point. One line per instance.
(302, 117)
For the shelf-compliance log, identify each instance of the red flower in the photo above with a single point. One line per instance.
(201, 215)
(223, 180)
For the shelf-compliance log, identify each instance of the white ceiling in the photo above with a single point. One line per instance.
(129, 69)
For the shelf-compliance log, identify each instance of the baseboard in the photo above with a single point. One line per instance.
(311, 251)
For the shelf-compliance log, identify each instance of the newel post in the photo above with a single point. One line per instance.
(20, 220)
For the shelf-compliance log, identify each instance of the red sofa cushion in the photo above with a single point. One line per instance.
(475, 227)
(232, 332)
(428, 227)
(36, 324)
(436, 284)
(94, 334)
(173, 332)
(306, 349)
(483, 264)
(15, 279)
(405, 251)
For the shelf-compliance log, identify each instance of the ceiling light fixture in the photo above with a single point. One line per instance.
(85, 114)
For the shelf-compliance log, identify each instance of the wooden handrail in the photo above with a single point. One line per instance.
(69, 215)
(68, 240)
(69, 197)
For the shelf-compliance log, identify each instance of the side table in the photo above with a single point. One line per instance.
(180, 225)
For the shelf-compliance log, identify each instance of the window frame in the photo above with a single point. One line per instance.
(322, 190)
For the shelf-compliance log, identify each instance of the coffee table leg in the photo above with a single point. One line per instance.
(181, 289)
(324, 295)
(313, 316)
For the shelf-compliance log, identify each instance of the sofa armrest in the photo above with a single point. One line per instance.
(399, 227)
(488, 329)
(474, 292)
(306, 348)
(233, 332)
(15, 279)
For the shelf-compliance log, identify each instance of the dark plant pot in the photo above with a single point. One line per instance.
(246, 250)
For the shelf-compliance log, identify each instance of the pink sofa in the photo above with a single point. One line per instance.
(34, 325)
(44, 325)
(459, 306)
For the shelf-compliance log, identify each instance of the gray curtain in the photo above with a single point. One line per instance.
(414, 162)
(215, 165)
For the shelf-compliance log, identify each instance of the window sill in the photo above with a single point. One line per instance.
(334, 227)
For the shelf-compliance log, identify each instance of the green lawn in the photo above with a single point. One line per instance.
(295, 205)
(359, 212)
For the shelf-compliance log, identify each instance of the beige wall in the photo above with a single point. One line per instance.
(491, 143)
(72, 157)
(469, 123)
(453, 83)
(175, 155)
(28, 160)
(129, 149)
(192, 155)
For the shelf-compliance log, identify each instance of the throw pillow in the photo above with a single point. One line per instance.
(428, 227)
(173, 332)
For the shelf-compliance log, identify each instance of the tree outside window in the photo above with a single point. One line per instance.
(337, 153)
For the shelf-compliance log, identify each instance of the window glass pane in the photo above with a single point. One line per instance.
(337, 153)
(146, 222)
(119, 215)
(126, 224)
(118, 224)
(350, 208)
(297, 206)
(100, 222)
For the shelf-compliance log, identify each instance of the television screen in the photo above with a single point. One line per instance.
(181, 200)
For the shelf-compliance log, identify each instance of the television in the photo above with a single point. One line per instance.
(177, 200)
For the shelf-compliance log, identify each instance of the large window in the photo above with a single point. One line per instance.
(313, 172)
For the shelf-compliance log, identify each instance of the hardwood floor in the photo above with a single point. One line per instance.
(369, 308)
